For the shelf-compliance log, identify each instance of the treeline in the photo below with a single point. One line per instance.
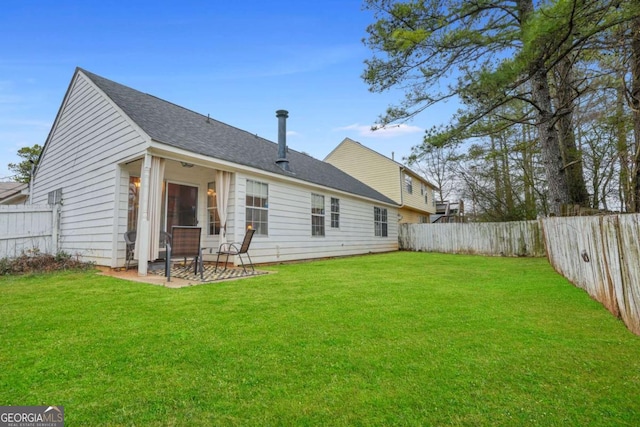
(550, 95)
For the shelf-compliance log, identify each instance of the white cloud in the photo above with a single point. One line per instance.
(390, 131)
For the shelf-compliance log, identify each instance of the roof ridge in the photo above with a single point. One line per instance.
(177, 126)
(207, 117)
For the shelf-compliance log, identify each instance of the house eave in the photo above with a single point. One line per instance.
(159, 148)
(10, 200)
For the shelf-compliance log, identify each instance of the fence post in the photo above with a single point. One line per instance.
(55, 228)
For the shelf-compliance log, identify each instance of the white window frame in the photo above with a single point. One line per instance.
(380, 222)
(212, 210)
(317, 215)
(408, 183)
(335, 212)
(257, 191)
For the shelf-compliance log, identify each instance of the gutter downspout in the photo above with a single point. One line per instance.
(401, 193)
(402, 169)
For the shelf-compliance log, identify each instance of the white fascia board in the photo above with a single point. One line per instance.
(182, 155)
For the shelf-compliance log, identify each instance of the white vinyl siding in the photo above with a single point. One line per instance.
(290, 221)
(89, 139)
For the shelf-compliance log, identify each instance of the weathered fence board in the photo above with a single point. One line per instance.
(629, 297)
(521, 238)
(580, 252)
(602, 256)
(26, 228)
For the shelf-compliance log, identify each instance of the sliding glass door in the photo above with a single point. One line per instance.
(181, 205)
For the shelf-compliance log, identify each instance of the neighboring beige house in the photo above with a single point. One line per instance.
(414, 194)
(13, 193)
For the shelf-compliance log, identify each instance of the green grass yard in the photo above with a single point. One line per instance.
(394, 339)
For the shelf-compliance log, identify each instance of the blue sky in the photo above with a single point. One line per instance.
(237, 61)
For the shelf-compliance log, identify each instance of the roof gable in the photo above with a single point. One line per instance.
(8, 189)
(348, 142)
(179, 127)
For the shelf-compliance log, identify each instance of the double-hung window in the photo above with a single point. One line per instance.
(257, 207)
(380, 221)
(335, 213)
(133, 203)
(317, 215)
(408, 182)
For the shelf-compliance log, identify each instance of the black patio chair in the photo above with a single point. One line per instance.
(130, 239)
(185, 243)
(236, 249)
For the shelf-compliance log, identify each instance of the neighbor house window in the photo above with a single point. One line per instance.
(133, 203)
(423, 190)
(257, 207)
(213, 220)
(317, 215)
(433, 197)
(380, 221)
(408, 182)
(424, 219)
(335, 213)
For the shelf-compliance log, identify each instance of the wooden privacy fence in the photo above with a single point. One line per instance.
(518, 238)
(28, 227)
(600, 254)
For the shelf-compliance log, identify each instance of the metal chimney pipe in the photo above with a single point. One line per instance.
(282, 160)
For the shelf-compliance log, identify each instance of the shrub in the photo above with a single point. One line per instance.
(34, 261)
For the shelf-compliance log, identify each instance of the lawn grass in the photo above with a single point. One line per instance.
(393, 339)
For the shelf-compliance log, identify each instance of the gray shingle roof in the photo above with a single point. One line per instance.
(179, 127)
(11, 188)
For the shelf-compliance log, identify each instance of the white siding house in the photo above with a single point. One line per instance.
(88, 142)
(118, 159)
